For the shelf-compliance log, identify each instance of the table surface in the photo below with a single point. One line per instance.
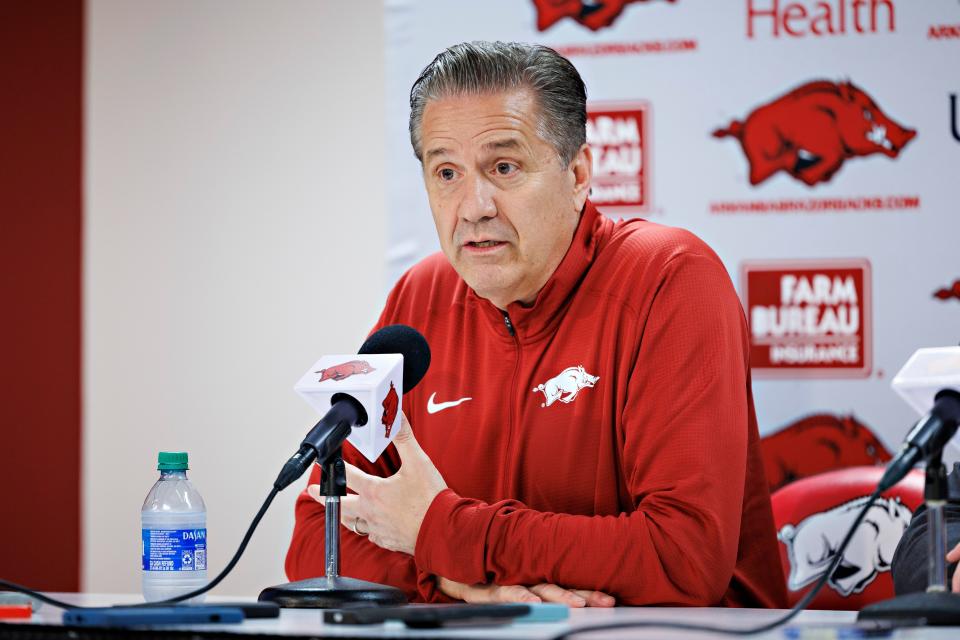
(309, 622)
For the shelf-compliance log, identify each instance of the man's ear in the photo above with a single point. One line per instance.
(582, 169)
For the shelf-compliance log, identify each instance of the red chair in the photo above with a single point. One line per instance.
(813, 514)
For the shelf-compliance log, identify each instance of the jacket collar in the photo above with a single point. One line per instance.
(530, 322)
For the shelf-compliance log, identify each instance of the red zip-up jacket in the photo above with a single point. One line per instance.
(603, 437)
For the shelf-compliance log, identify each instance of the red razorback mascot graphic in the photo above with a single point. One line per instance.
(812, 130)
(390, 404)
(812, 517)
(947, 293)
(819, 443)
(345, 370)
(593, 15)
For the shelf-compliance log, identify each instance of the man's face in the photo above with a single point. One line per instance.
(504, 204)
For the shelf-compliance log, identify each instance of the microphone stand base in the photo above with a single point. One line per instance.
(936, 609)
(335, 592)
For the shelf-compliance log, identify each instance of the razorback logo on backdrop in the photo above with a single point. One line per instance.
(618, 137)
(812, 130)
(819, 18)
(345, 370)
(593, 15)
(808, 318)
(816, 444)
(948, 293)
(813, 542)
(390, 404)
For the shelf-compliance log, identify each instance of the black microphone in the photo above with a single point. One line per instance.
(327, 436)
(928, 436)
(408, 342)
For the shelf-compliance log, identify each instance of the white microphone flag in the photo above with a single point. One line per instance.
(375, 380)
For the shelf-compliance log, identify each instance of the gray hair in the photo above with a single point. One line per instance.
(474, 68)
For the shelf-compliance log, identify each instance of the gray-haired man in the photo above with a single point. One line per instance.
(586, 431)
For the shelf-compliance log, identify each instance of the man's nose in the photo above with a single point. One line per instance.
(478, 204)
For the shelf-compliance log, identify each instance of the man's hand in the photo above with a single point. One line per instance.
(954, 556)
(391, 509)
(487, 593)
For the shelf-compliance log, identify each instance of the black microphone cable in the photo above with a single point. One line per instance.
(748, 631)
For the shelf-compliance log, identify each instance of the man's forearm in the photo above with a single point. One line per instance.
(641, 558)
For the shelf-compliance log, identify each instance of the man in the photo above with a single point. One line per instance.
(587, 427)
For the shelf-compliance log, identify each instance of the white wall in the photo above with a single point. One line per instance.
(234, 233)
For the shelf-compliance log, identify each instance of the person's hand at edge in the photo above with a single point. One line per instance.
(954, 556)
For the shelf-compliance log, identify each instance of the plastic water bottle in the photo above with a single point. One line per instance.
(174, 533)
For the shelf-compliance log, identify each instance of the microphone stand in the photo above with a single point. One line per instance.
(332, 591)
(936, 606)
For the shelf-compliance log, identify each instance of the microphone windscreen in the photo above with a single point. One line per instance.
(407, 341)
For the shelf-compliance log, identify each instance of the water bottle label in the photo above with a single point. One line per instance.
(174, 549)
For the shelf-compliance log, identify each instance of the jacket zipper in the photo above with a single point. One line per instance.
(507, 452)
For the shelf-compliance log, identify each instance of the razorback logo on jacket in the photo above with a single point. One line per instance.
(345, 370)
(812, 544)
(812, 130)
(816, 444)
(570, 381)
(593, 15)
(390, 404)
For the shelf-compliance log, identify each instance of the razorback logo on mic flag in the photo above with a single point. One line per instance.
(593, 15)
(618, 135)
(390, 405)
(808, 318)
(344, 370)
(810, 131)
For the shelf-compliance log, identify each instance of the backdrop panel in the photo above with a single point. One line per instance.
(813, 145)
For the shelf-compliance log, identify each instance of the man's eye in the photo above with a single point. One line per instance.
(447, 174)
(505, 168)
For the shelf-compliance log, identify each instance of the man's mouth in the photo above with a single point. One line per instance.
(484, 244)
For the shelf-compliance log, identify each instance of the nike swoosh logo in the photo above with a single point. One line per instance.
(434, 407)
